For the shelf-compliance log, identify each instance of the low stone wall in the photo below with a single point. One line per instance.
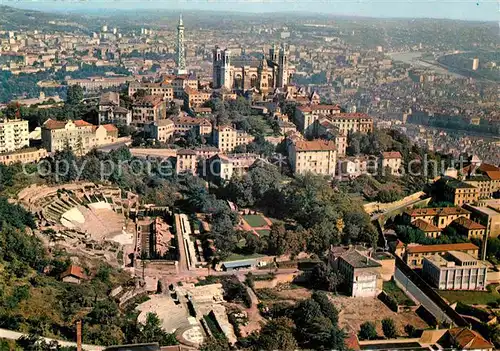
(379, 206)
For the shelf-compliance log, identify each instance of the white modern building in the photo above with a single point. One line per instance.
(455, 271)
(14, 135)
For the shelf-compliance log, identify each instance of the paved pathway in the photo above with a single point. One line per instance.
(13, 335)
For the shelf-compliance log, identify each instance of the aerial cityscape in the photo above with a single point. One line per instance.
(249, 175)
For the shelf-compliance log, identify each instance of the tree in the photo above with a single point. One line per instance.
(276, 240)
(324, 277)
(367, 331)
(277, 334)
(410, 330)
(389, 328)
(216, 343)
(327, 308)
(152, 331)
(74, 95)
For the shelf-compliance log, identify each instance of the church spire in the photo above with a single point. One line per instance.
(181, 58)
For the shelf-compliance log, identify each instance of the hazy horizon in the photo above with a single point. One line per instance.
(438, 9)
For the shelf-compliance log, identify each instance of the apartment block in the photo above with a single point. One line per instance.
(186, 161)
(195, 98)
(14, 135)
(226, 138)
(110, 111)
(307, 114)
(457, 192)
(78, 135)
(162, 130)
(455, 270)
(147, 109)
(344, 122)
(324, 128)
(316, 156)
(165, 90)
(479, 173)
(440, 217)
(183, 124)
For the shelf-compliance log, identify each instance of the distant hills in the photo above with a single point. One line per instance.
(12, 18)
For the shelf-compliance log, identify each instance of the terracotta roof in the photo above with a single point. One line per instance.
(467, 339)
(493, 175)
(441, 248)
(74, 271)
(349, 116)
(82, 123)
(164, 122)
(310, 108)
(149, 100)
(391, 154)
(53, 124)
(490, 170)
(485, 167)
(315, 145)
(468, 223)
(202, 109)
(352, 343)
(110, 127)
(436, 211)
(191, 120)
(425, 226)
(186, 152)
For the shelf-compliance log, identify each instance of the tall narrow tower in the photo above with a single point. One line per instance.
(282, 67)
(181, 57)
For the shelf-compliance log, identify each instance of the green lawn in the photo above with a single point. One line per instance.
(471, 297)
(255, 220)
(263, 232)
(391, 289)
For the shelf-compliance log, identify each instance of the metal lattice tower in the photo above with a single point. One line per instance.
(181, 57)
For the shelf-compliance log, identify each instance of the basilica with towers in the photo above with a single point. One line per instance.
(241, 75)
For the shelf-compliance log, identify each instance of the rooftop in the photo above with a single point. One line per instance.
(436, 211)
(74, 271)
(468, 223)
(310, 108)
(468, 339)
(425, 226)
(455, 183)
(315, 145)
(441, 248)
(358, 260)
(391, 154)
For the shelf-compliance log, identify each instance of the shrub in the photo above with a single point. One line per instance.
(389, 328)
(367, 331)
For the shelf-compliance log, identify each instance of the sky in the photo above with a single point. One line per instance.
(483, 10)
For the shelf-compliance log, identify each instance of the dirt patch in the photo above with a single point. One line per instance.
(356, 311)
(296, 294)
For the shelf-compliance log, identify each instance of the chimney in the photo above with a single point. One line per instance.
(79, 336)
